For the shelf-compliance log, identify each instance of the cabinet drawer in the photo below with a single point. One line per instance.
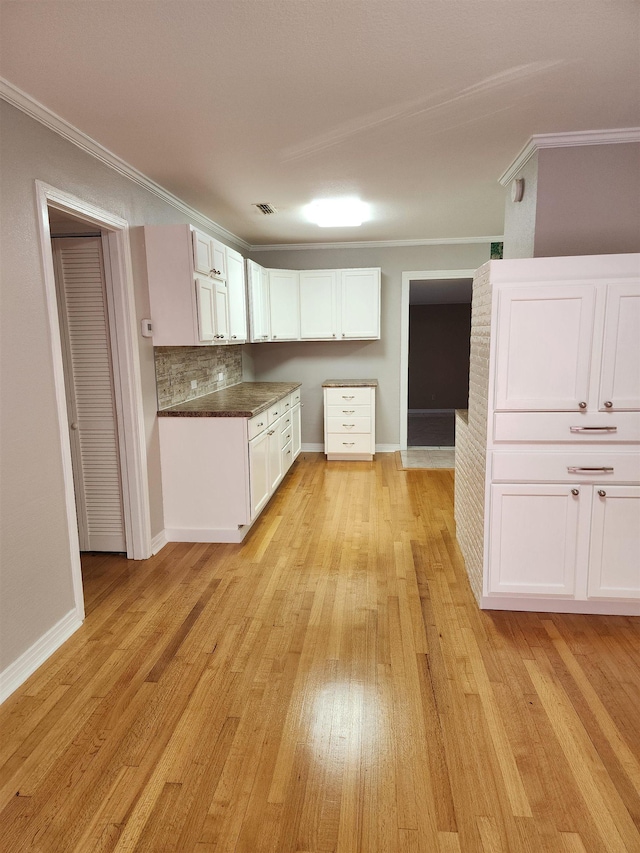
(573, 427)
(341, 396)
(350, 410)
(295, 397)
(257, 424)
(586, 467)
(275, 412)
(286, 421)
(287, 457)
(285, 403)
(286, 436)
(347, 424)
(348, 444)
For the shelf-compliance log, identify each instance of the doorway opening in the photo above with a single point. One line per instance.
(68, 219)
(435, 364)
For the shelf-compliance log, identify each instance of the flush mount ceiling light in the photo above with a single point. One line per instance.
(337, 212)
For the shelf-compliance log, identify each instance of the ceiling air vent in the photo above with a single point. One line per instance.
(267, 209)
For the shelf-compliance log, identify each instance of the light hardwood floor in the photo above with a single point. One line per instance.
(329, 685)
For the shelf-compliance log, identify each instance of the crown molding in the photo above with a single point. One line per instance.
(377, 244)
(17, 98)
(567, 140)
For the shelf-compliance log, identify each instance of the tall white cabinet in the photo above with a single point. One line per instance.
(562, 478)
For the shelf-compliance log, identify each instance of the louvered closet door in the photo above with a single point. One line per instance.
(91, 407)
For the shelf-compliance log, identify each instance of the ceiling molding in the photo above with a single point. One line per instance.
(378, 244)
(44, 115)
(567, 140)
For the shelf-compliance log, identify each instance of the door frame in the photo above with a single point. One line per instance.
(407, 278)
(126, 372)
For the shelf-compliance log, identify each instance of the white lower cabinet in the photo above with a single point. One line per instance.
(349, 420)
(218, 473)
(568, 540)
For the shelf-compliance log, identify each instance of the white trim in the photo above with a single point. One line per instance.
(18, 671)
(407, 278)
(44, 115)
(312, 448)
(560, 605)
(567, 140)
(387, 448)
(158, 542)
(135, 485)
(378, 244)
(208, 534)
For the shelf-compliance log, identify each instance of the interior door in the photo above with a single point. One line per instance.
(86, 349)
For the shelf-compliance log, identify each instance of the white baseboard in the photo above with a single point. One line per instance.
(207, 534)
(18, 671)
(559, 605)
(158, 542)
(313, 448)
(387, 448)
(431, 411)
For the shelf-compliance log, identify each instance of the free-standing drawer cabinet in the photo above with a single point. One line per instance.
(349, 420)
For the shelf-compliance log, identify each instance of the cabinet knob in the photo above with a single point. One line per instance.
(602, 493)
(74, 425)
(343, 335)
(333, 335)
(582, 405)
(234, 337)
(608, 404)
(274, 337)
(575, 491)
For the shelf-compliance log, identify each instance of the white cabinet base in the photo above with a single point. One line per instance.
(535, 604)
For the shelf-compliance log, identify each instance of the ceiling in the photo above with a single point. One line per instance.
(416, 106)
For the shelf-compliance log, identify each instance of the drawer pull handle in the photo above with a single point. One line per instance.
(593, 429)
(576, 469)
(602, 493)
(348, 426)
(348, 443)
(347, 397)
(260, 424)
(348, 411)
(575, 492)
(271, 432)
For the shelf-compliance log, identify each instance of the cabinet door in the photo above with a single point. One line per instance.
(259, 472)
(237, 297)
(275, 456)
(202, 252)
(318, 304)
(206, 308)
(284, 305)
(218, 259)
(258, 302)
(360, 303)
(296, 438)
(543, 347)
(614, 563)
(620, 378)
(533, 538)
(222, 309)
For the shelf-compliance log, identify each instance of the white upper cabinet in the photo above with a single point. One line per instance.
(237, 290)
(209, 255)
(318, 304)
(620, 381)
(258, 287)
(284, 305)
(360, 303)
(568, 347)
(544, 343)
(192, 302)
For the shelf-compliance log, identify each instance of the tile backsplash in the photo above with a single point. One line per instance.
(176, 367)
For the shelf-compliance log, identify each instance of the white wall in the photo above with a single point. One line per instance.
(35, 572)
(312, 363)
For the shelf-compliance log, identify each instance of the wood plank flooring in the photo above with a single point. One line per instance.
(329, 686)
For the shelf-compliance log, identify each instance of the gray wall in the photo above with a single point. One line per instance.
(580, 200)
(35, 582)
(439, 340)
(312, 363)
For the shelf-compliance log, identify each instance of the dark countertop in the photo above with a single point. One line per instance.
(243, 400)
(350, 383)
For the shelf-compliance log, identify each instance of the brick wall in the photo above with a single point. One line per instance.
(177, 366)
(471, 437)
